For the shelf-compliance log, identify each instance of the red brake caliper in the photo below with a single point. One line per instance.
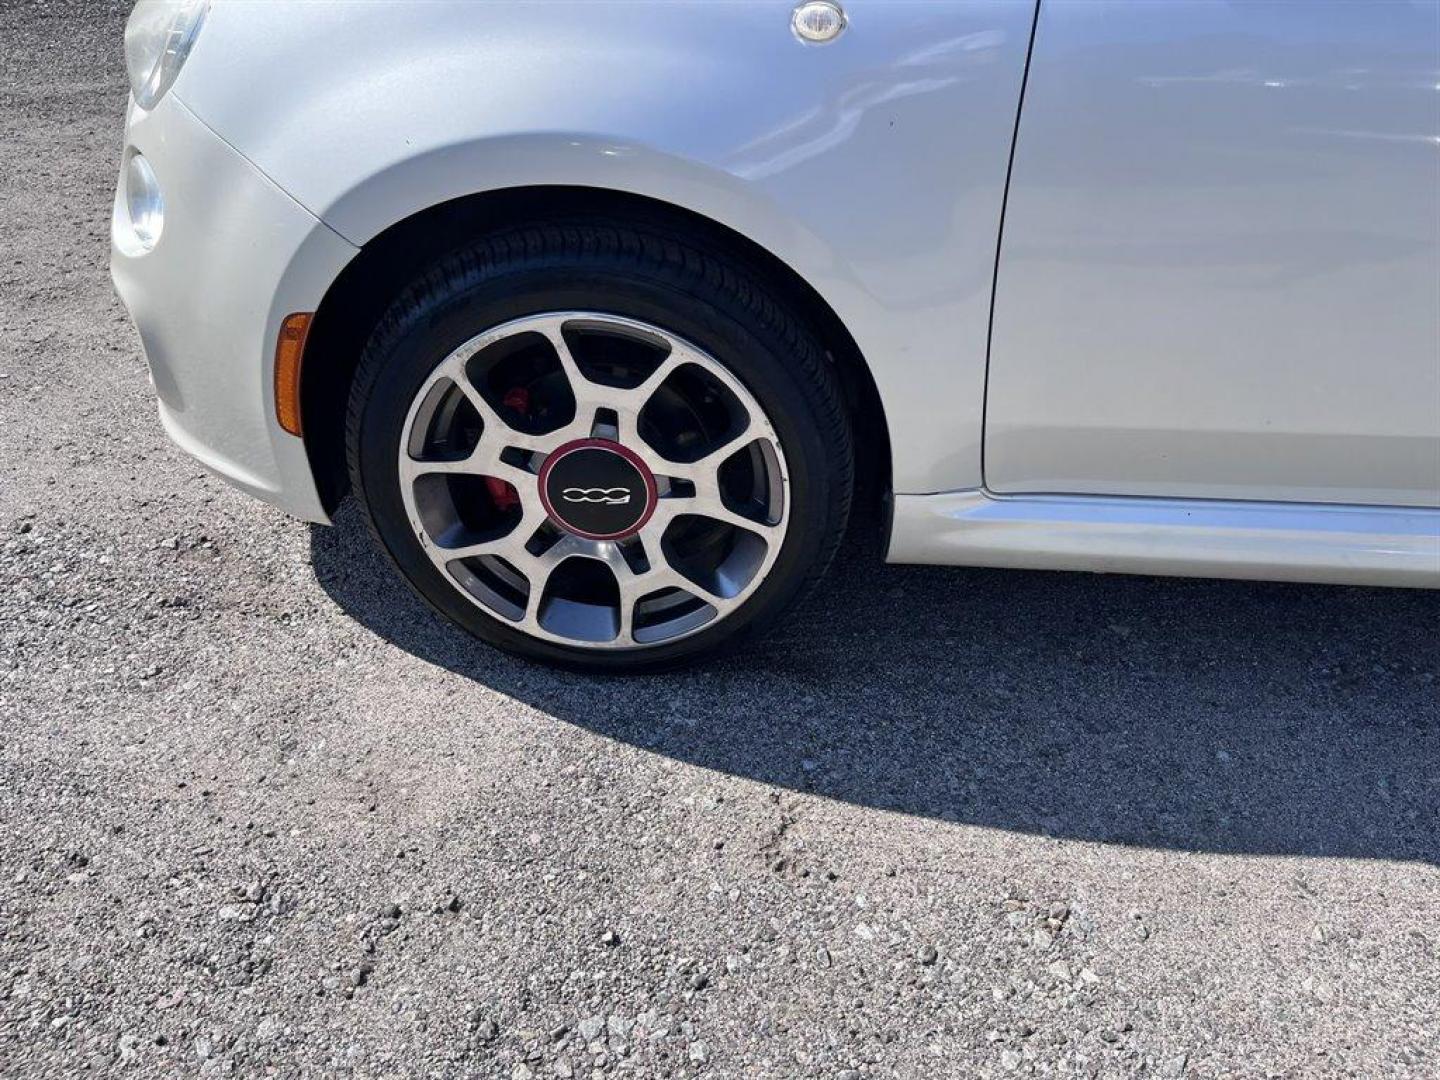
(503, 494)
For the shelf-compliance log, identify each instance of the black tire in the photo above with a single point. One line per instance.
(647, 273)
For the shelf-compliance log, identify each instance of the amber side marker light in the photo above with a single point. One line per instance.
(289, 355)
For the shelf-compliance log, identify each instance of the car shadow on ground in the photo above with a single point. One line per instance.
(1190, 714)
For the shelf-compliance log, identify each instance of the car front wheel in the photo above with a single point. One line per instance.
(600, 446)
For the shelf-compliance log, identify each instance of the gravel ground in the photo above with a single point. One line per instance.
(264, 815)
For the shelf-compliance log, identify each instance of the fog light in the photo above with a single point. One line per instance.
(143, 202)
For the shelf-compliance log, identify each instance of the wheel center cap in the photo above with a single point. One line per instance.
(597, 489)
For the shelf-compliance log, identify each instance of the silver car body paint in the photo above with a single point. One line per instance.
(1214, 294)
(1363, 545)
(1221, 265)
(236, 256)
(874, 166)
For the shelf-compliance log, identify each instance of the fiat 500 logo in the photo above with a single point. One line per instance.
(616, 496)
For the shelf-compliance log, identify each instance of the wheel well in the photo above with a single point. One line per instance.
(365, 288)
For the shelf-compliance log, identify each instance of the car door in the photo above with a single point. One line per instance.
(1220, 266)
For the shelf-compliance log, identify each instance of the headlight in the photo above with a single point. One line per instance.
(157, 40)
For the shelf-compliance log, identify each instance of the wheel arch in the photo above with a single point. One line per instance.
(357, 298)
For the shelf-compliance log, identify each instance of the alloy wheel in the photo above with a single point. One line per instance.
(593, 480)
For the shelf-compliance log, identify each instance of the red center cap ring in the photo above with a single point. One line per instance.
(598, 489)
